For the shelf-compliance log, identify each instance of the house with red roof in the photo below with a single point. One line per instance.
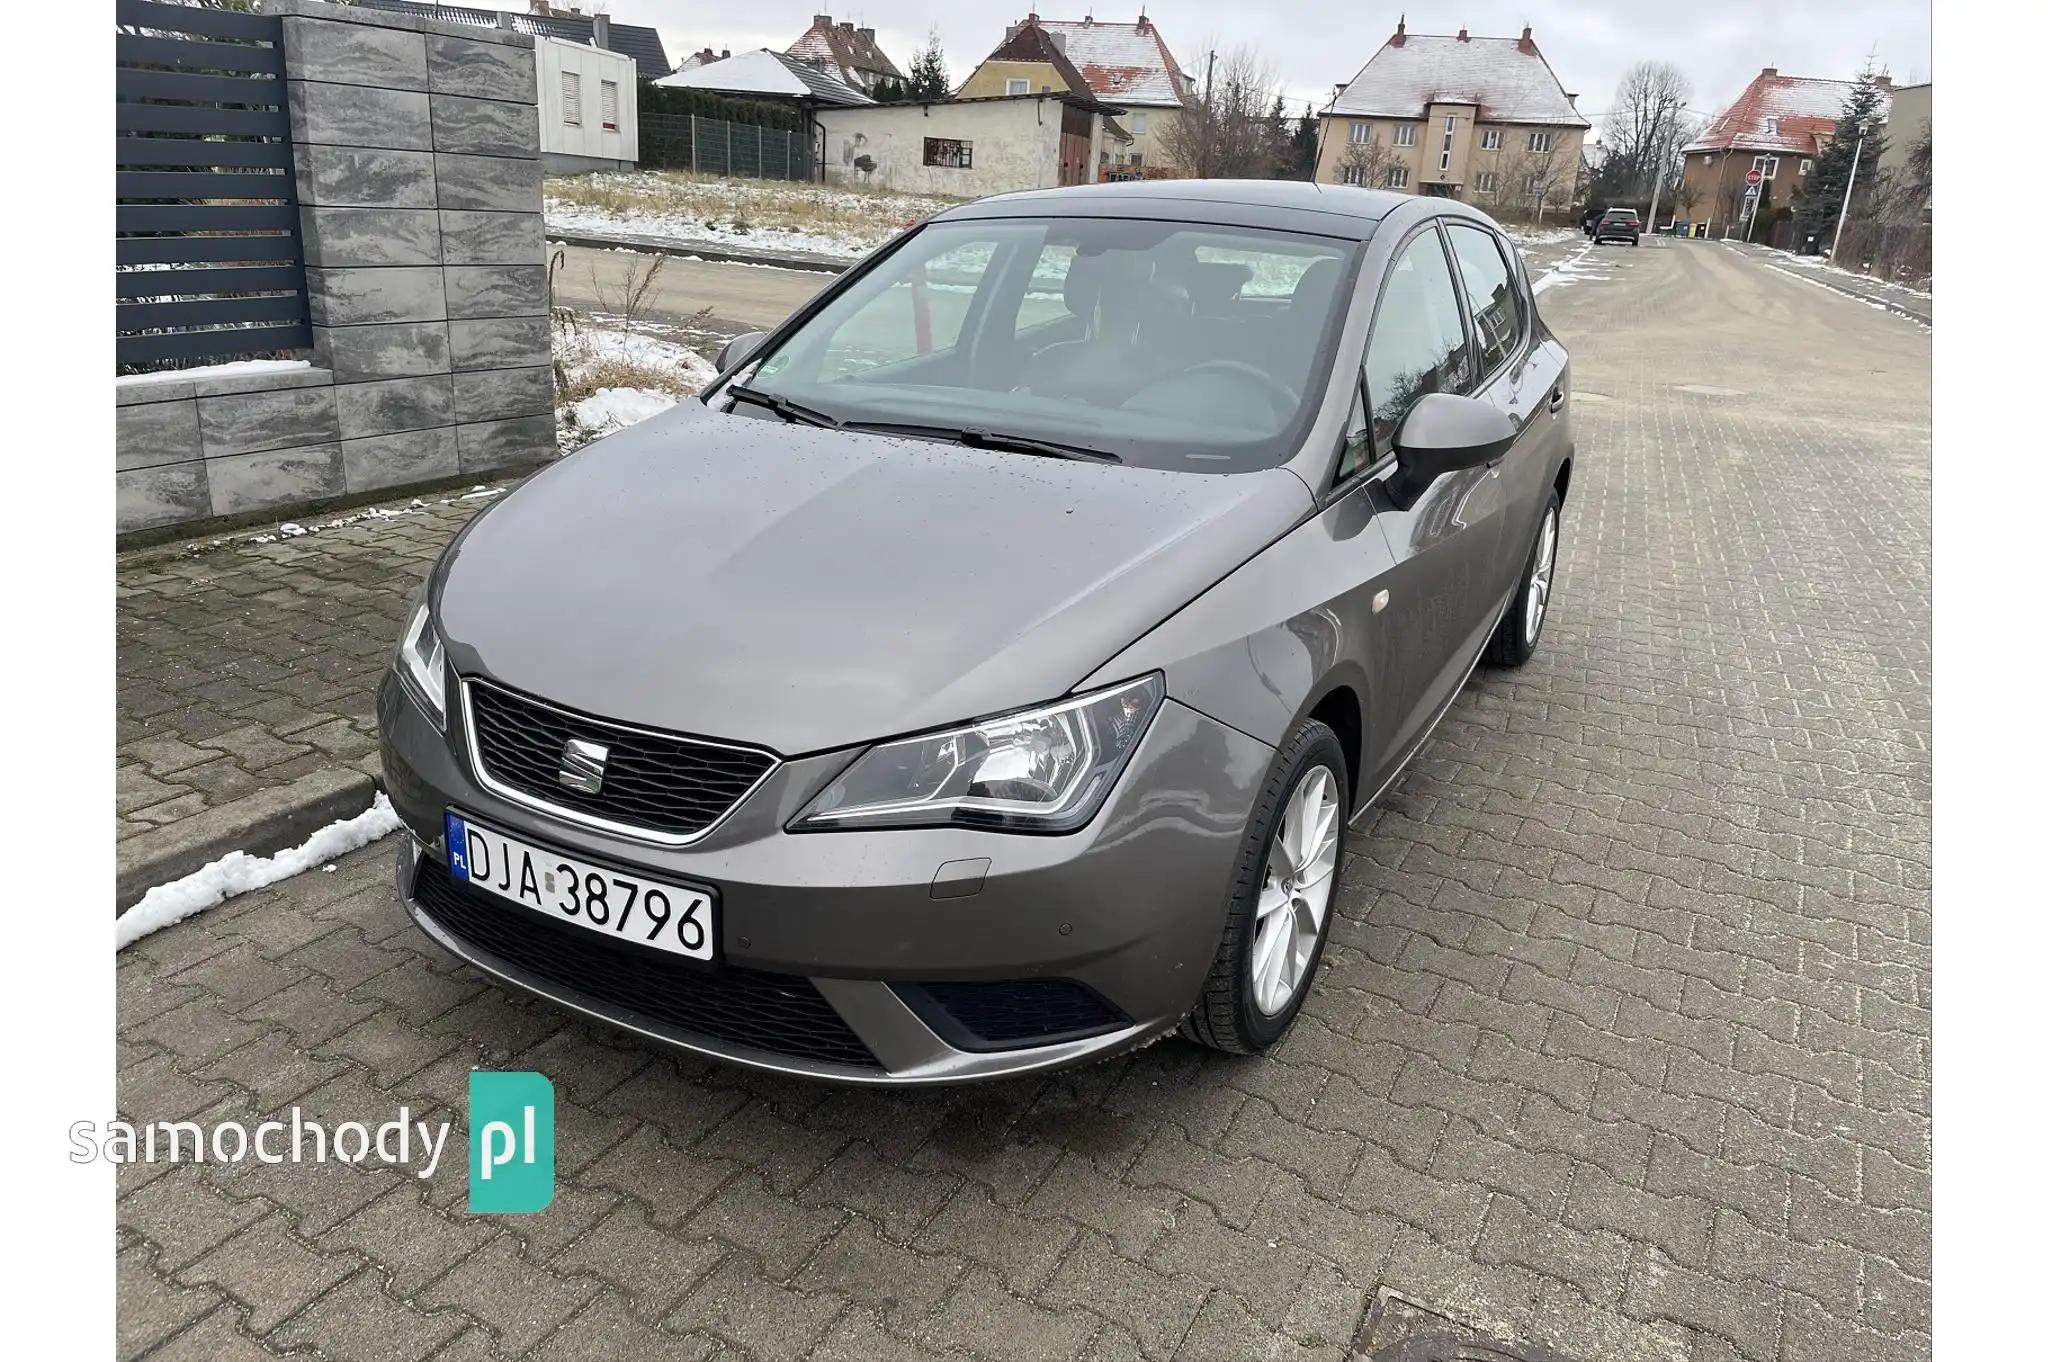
(1127, 65)
(1484, 120)
(1777, 127)
(847, 52)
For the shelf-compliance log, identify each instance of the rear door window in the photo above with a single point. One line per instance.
(1418, 337)
(1490, 290)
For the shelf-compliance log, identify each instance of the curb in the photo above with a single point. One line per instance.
(702, 250)
(1925, 319)
(262, 823)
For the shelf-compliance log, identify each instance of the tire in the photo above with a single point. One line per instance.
(1230, 1015)
(1514, 639)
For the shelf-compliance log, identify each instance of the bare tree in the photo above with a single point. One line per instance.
(1367, 163)
(1226, 128)
(1644, 128)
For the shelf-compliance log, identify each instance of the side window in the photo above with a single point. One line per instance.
(1490, 289)
(1418, 337)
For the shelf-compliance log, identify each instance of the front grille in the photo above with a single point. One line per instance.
(1013, 1013)
(782, 1014)
(671, 786)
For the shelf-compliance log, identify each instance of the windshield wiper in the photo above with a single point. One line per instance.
(794, 412)
(975, 438)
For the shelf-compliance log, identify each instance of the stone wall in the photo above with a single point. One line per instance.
(417, 152)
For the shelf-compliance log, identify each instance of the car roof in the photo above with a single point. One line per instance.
(1340, 210)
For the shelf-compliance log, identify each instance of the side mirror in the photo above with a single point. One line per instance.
(1443, 433)
(739, 349)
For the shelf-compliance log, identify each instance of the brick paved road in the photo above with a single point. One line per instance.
(1622, 1043)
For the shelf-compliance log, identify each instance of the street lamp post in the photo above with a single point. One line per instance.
(1843, 216)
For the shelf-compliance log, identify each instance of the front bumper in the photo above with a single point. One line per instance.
(878, 923)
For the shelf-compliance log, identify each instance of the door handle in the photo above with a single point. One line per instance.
(1556, 398)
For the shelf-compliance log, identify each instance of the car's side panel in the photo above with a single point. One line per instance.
(1261, 647)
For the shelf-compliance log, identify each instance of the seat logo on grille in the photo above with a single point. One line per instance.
(582, 767)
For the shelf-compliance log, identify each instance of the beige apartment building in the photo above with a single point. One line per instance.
(1484, 120)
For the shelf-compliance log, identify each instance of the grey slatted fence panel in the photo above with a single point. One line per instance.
(716, 146)
(207, 254)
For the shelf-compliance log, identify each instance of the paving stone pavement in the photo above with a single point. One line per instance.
(1621, 1045)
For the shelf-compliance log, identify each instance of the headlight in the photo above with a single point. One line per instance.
(1041, 770)
(420, 661)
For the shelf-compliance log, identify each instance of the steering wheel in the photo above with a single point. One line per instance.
(1283, 398)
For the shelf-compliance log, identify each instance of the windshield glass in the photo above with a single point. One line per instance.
(1169, 344)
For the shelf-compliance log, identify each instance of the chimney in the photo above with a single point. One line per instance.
(539, 7)
(1464, 36)
(1572, 99)
(1400, 33)
(1770, 70)
(846, 28)
(1527, 43)
(505, 20)
(821, 21)
(1144, 24)
(601, 30)
(723, 52)
(1883, 82)
(867, 35)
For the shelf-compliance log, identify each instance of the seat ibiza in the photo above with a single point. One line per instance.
(982, 675)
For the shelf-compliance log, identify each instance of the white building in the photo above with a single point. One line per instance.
(589, 107)
(968, 147)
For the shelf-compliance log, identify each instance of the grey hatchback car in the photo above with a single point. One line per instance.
(981, 677)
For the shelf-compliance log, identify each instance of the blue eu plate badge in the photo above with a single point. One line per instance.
(458, 847)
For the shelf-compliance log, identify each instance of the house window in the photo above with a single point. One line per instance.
(1770, 127)
(1137, 123)
(948, 153)
(1450, 131)
(1360, 133)
(572, 99)
(1488, 182)
(1539, 140)
(1768, 165)
(1137, 160)
(1014, 86)
(1397, 177)
(1354, 175)
(1534, 185)
(608, 104)
(1806, 167)
(1404, 135)
(1489, 139)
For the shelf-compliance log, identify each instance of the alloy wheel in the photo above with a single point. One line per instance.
(1539, 578)
(1294, 896)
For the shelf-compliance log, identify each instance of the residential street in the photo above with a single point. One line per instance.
(1620, 1047)
(741, 297)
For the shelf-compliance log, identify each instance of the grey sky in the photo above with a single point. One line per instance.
(1314, 45)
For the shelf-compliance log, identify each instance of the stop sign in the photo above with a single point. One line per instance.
(1754, 177)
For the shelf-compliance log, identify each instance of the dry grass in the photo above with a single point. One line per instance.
(684, 200)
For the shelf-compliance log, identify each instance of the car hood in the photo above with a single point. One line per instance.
(804, 589)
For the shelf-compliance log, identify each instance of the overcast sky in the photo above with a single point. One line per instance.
(1313, 44)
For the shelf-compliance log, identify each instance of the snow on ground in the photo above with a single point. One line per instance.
(614, 378)
(231, 369)
(610, 409)
(1821, 264)
(1526, 237)
(238, 872)
(771, 215)
(1567, 271)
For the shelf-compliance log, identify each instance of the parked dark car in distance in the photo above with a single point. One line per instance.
(1619, 224)
(982, 676)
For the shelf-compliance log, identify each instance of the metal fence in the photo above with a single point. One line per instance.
(713, 146)
(206, 220)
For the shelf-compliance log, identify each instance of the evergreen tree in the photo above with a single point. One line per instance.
(928, 78)
(1862, 117)
(1303, 153)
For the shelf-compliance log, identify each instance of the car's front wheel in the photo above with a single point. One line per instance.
(1281, 899)
(1514, 639)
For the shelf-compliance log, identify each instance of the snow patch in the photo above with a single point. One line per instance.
(233, 368)
(610, 409)
(238, 872)
(1566, 271)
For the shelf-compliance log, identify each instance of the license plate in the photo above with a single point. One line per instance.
(668, 917)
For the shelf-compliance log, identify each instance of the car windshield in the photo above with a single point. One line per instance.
(1166, 344)
(1622, 214)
